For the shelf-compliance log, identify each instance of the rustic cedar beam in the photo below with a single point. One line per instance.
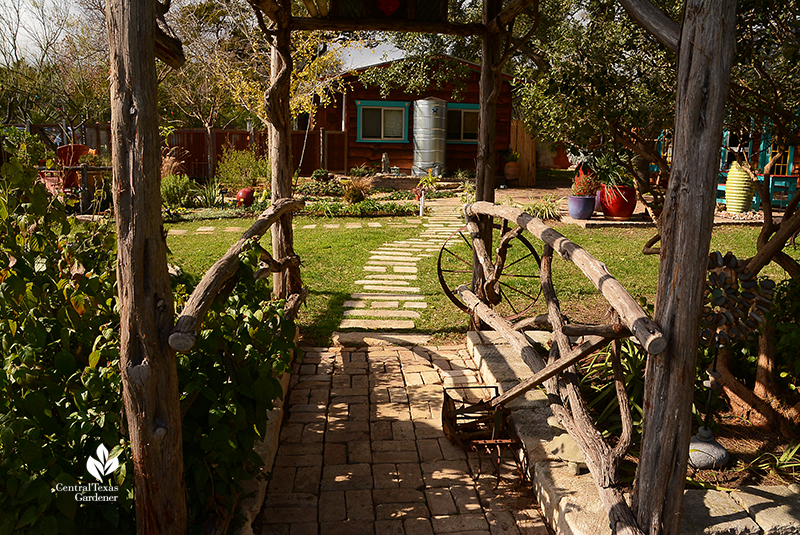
(517, 340)
(655, 21)
(277, 266)
(592, 344)
(385, 25)
(169, 48)
(609, 330)
(508, 14)
(182, 337)
(632, 315)
(293, 303)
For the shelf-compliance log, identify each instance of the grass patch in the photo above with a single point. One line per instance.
(334, 258)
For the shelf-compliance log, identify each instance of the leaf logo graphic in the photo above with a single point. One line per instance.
(102, 466)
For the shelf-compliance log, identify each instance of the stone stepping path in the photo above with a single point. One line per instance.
(362, 451)
(389, 289)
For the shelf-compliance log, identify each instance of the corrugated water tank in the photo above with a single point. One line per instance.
(430, 136)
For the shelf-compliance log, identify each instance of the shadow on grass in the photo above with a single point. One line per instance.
(318, 324)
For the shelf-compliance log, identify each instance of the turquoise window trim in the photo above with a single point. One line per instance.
(790, 167)
(381, 104)
(462, 106)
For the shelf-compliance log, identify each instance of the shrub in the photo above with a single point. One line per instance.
(239, 169)
(177, 191)
(546, 208)
(368, 207)
(320, 189)
(360, 171)
(60, 385)
(208, 195)
(357, 189)
(321, 175)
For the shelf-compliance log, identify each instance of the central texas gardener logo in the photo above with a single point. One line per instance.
(102, 465)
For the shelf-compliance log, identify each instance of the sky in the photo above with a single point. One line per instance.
(361, 57)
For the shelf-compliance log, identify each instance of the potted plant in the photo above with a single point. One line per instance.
(426, 183)
(581, 200)
(617, 192)
(512, 168)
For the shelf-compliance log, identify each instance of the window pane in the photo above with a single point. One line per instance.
(393, 123)
(470, 125)
(454, 124)
(371, 123)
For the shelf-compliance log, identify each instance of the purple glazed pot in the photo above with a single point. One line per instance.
(581, 206)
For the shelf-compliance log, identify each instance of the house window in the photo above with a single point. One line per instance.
(781, 167)
(382, 121)
(462, 123)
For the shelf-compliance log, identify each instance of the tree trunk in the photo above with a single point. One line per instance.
(280, 153)
(147, 365)
(489, 89)
(211, 151)
(706, 50)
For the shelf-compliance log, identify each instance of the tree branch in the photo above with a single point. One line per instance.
(656, 22)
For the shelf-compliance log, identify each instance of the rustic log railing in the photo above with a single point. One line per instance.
(214, 282)
(558, 372)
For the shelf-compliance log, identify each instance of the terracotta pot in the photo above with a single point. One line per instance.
(581, 206)
(512, 171)
(618, 202)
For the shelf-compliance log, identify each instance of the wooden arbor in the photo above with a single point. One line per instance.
(378, 15)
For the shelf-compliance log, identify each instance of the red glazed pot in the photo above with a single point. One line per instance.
(245, 197)
(618, 202)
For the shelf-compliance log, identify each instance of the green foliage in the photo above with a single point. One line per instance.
(463, 174)
(320, 189)
(418, 73)
(548, 208)
(228, 383)
(26, 148)
(785, 316)
(208, 195)
(428, 182)
(357, 189)
(599, 391)
(369, 207)
(239, 169)
(512, 156)
(177, 191)
(360, 171)
(59, 385)
(321, 175)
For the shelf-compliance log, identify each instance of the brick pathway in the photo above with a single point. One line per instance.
(362, 452)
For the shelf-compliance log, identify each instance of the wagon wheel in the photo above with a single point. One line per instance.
(519, 287)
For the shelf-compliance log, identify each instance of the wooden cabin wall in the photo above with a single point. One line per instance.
(457, 156)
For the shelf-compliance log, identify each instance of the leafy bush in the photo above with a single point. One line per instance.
(239, 169)
(369, 207)
(60, 385)
(785, 315)
(228, 382)
(599, 391)
(357, 189)
(177, 191)
(208, 195)
(360, 171)
(320, 189)
(321, 175)
(546, 208)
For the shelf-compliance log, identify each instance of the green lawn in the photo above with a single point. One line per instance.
(333, 259)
